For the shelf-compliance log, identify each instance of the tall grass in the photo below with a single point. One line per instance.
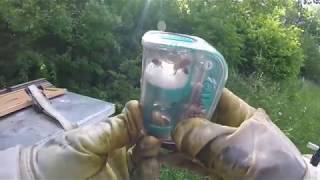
(294, 105)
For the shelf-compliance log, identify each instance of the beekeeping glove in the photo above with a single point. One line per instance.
(144, 159)
(91, 152)
(231, 110)
(256, 149)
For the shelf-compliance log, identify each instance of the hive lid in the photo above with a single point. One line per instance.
(27, 127)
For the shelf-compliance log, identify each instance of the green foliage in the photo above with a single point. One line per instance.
(168, 173)
(311, 43)
(273, 49)
(309, 21)
(311, 50)
(251, 35)
(71, 43)
(293, 105)
(93, 47)
(85, 45)
(216, 23)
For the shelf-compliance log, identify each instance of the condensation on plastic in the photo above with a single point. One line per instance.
(182, 77)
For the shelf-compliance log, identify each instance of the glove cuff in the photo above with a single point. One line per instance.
(27, 157)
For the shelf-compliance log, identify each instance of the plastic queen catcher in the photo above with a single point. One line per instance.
(183, 76)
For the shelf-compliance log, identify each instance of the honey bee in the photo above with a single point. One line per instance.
(186, 70)
(183, 64)
(156, 61)
(159, 119)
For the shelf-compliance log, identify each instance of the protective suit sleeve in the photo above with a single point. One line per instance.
(312, 172)
(96, 151)
(9, 168)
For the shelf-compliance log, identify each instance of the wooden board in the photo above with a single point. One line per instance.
(38, 82)
(17, 100)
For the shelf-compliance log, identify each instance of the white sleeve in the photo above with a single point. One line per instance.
(313, 173)
(9, 167)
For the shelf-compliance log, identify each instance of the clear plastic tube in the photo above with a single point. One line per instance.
(182, 77)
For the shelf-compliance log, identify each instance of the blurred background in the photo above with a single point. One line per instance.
(93, 47)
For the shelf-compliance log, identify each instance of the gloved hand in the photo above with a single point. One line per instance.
(90, 152)
(256, 149)
(144, 158)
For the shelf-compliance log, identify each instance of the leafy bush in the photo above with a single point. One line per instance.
(272, 49)
(251, 35)
(82, 45)
(311, 50)
(72, 43)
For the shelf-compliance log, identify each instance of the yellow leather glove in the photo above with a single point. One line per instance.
(92, 152)
(254, 148)
(231, 110)
(144, 159)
